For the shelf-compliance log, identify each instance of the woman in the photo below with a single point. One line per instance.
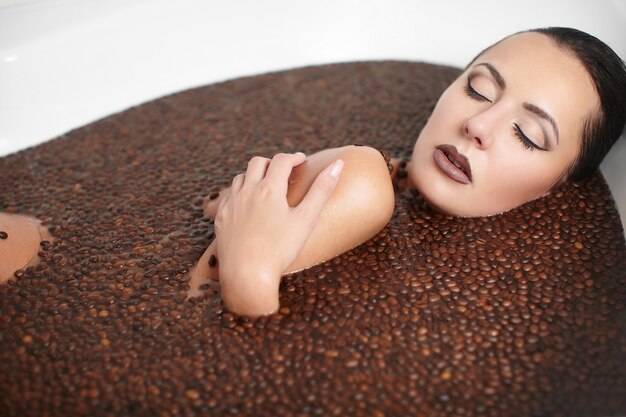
(534, 110)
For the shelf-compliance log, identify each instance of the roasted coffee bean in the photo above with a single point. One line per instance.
(518, 314)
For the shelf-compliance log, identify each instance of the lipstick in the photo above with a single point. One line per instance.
(452, 163)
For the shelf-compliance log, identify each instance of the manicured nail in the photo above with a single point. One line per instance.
(336, 168)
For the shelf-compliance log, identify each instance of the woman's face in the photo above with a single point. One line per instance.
(505, 130)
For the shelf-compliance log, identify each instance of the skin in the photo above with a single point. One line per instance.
(283, 214)
(19, 249)
(505, 173)
(348, 207)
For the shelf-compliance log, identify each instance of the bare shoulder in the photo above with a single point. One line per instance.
(367, 179)
(365, 154)
(361, 205)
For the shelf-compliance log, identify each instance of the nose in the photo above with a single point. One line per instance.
(479, 129)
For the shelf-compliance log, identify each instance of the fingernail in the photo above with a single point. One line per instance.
(300, 153)
(336, 168)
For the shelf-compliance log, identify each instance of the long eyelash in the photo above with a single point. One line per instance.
(469, 90)
(529, 144)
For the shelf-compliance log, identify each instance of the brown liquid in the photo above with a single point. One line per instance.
(518, 314)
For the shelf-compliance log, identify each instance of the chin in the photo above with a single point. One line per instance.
(438, 209)
(432, 196)
(444, 196)
(443, 209)
(452, 206)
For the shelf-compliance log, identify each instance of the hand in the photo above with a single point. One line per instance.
(258, 235)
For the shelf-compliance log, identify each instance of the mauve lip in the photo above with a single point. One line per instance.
(463, 175)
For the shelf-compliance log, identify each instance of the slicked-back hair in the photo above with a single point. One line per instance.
(608, 73)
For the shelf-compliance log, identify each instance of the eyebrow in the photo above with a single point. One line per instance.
(495, 74)
(530, 107)
(544, 115)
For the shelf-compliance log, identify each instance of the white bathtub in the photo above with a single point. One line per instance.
(66, 63)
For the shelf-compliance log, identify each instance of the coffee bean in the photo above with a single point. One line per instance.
(515, 314)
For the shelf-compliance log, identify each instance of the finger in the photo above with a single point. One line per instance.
(256, 170)
(280, 168)
(211, 203)
(222, 203)
(237, 183)
(319, 193)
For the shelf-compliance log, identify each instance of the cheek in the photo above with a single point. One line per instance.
(519, 177)
(438, 128)
(449, 109)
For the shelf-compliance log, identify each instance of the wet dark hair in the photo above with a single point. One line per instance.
(608, 73)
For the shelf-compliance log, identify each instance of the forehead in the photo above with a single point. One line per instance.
(538, 71)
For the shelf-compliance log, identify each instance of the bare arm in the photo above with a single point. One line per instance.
(258, 235)
(358, 208)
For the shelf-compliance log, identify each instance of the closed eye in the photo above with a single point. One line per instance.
(529, 144)
(525, 140)
(470, 91)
